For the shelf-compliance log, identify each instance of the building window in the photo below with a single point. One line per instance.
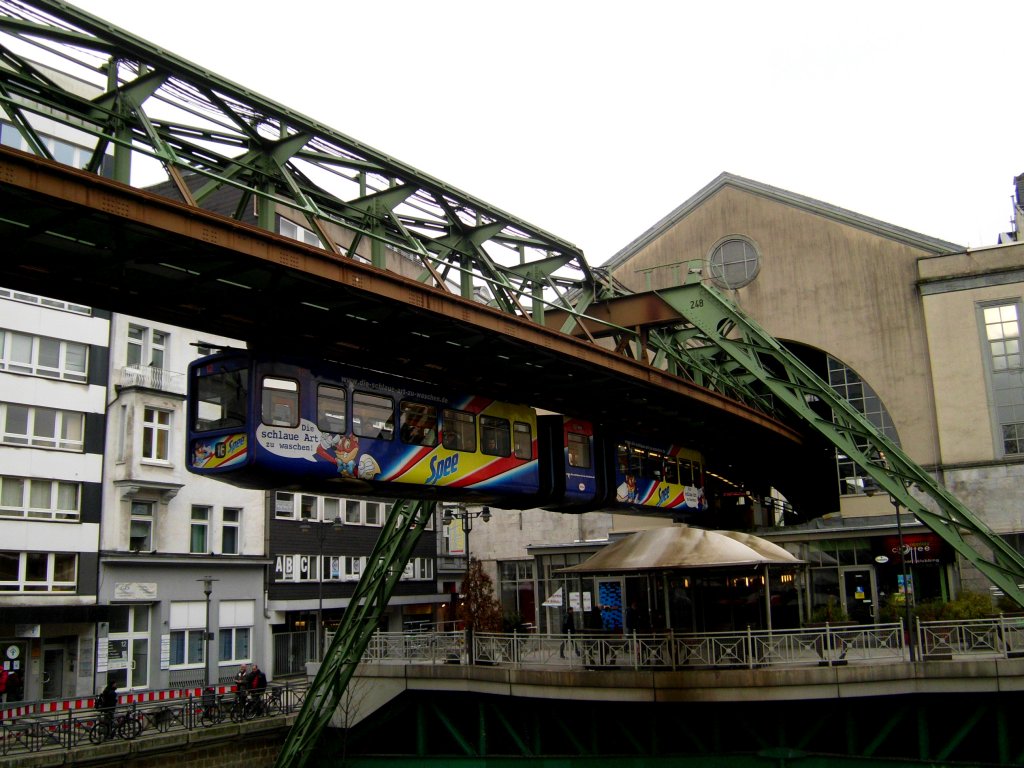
(44, 301)
(140, 538)
(39, 499)
(1002, 332)
(307, 507)
(848, 384)
(156, 434)
(515, 585)
(373, 513)
(187, 627)
(353, 512)
(284, 504)
(43, 356)
(41, 427)
(229, 531)
(296, 232)
(146, 347)
(332, 508)
(199, 538)
(236, 622)
(38, 572)
(734, 262)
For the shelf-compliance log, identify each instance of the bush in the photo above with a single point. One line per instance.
(969, 605)
(831, 612)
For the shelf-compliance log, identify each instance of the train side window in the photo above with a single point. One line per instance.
(459, 430)
(331, 414)
(220, 400)
(280, 402)
(522, 441)
(418, 423)
(373, 416)
(685, 472)
(495, 436)
(671, 471)
(651, 467)
(579, 450)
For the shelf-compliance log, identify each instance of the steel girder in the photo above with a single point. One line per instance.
(132, 99)
(398, 537)
(721, 329)
(448, 728)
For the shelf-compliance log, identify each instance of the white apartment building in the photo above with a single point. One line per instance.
(53, 389)
(166, 533)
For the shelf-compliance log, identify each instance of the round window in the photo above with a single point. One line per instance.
(734, 262)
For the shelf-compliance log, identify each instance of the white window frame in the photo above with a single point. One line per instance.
(139, 517)
(146, 347)
(235, 525)
(67, 433)
(66, 351)
(187, 618)
(199, 524)
(235, 617)
(152, 432)
(45, 301)
(284, 505)
(353, 512)
(28, 490)
(22, 584)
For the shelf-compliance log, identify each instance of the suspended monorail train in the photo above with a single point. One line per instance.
(264, 422)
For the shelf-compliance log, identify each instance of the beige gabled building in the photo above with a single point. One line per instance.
(921, 334)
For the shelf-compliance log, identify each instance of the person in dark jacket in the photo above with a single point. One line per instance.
(106, 702)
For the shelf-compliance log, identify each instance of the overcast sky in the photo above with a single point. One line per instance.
(592, 120)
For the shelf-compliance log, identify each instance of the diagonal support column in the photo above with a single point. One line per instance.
(398, 537)
(723, 327)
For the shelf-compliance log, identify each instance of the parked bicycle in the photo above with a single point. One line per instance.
(108, 725)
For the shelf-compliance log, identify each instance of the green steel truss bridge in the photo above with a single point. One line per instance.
(170, 211)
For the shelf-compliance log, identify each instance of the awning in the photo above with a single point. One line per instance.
(679, 548)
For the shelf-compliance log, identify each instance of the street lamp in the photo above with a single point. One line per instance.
(462, 513)
(208, 635)
(321, 530)
(907, 591)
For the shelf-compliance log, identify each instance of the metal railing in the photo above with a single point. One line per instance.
(50, 726)
(151, 378)
(1000, 636)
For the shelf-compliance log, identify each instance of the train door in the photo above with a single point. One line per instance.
(859, 593)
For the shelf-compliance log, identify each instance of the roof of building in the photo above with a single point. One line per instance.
(681, 547)
(834, 212)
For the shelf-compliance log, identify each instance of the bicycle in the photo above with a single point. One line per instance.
(110, 725)
(213, 713)
(244, 707)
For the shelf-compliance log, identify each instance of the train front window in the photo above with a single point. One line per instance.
(220, 400)
(459, 428)
(373, 416)
(579, 450)
(522, 441)
(330, 409)
(280, 402)
(417, 423)
(495, 436)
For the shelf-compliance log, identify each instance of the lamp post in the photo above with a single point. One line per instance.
(321, 530)
(208, 635)
(463, 514)
(907, 591)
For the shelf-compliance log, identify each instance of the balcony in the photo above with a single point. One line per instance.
(147, 377)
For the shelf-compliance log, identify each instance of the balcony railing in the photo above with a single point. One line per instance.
(151, 378)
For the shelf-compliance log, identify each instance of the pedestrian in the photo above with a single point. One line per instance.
(240, 682)
(3, 683)
(257, 685)
(106, 702)
(568, 628)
